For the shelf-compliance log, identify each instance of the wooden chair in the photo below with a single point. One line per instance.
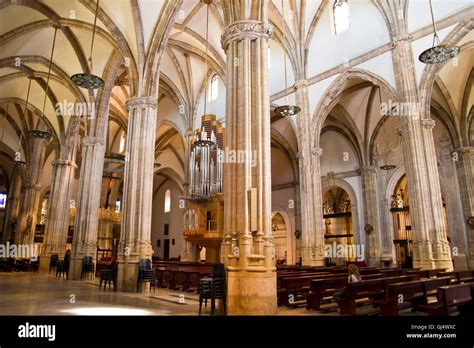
(87, 266)
(53, 262)
(109, 276)
(205, 292)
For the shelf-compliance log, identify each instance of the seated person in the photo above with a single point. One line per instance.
(354, 277)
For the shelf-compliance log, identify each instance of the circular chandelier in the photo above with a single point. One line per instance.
(385, 167)
(89, 80)
(39, 134)
(438, 53)
(286, 110)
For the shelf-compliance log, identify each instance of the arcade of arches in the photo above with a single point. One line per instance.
(180, 155)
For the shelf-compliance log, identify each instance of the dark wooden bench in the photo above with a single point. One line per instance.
(414, 294)
(299, 286)
(449, 298)
(353, 291)
(319, 288)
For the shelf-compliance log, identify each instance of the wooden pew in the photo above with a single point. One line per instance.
(391, 272)
(323, 287)
(320, 288)
(353, 291)
(297, 285)
(449, 298)
(415, 293)
(465, 276)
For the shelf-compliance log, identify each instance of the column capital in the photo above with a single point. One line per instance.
(245, 29)
(428, 123)
(91, 141)
(465, 150)
(140, 102)
(30, 187)
(367, 170)
(62, 162)
(396, 40)
(317, 151)
(301, 84)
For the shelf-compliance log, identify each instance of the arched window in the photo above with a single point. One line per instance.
(123, 138)
(214, 88)
(167, 201)
(3, 198)
(341, 16)
(118, 205)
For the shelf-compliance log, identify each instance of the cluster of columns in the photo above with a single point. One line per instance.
(30, 191)
(247, 247)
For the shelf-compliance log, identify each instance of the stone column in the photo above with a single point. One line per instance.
(247, 248)
(312, 234)
(88, 201)
(465, 170)
(57, 222)
(12, 197)
(29, 197)
(372, 227)
(135, 238)
(430, 245)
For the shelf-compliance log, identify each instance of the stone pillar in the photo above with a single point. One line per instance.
(57, 222)
(135, 237)
(312, 226)
(465, 170)
(12, 197)
(29, 197)
(372, 228)
(88, 201)
(247, 249)
(430, 244)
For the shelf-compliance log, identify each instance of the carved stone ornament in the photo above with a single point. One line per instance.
(247, 29)
(368, 229)
(62, 162)
(140, 102)
(428, 123)
(317, 151)
(470, 222)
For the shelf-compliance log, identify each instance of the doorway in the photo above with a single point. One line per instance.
(166, 250)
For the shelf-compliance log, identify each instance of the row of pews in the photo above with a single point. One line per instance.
(383, 291)
(184, 276)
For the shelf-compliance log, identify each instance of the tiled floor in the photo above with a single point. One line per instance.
(38, 294)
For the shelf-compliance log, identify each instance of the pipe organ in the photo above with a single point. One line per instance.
(205, 165)
(203, 216)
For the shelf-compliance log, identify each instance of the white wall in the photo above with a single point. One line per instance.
(174, 218)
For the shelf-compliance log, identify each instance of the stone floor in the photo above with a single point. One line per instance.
(39, 294)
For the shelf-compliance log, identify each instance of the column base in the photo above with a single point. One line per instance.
(432, 264)
(374, 262)
(75, 269)
(127, 276)
(251, 293)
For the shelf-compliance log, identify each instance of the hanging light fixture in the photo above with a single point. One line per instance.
(17, 159)
(286, 110)
(438, 53)
(36, 132)
(86, 80)
(204, 137)
(386, 166)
